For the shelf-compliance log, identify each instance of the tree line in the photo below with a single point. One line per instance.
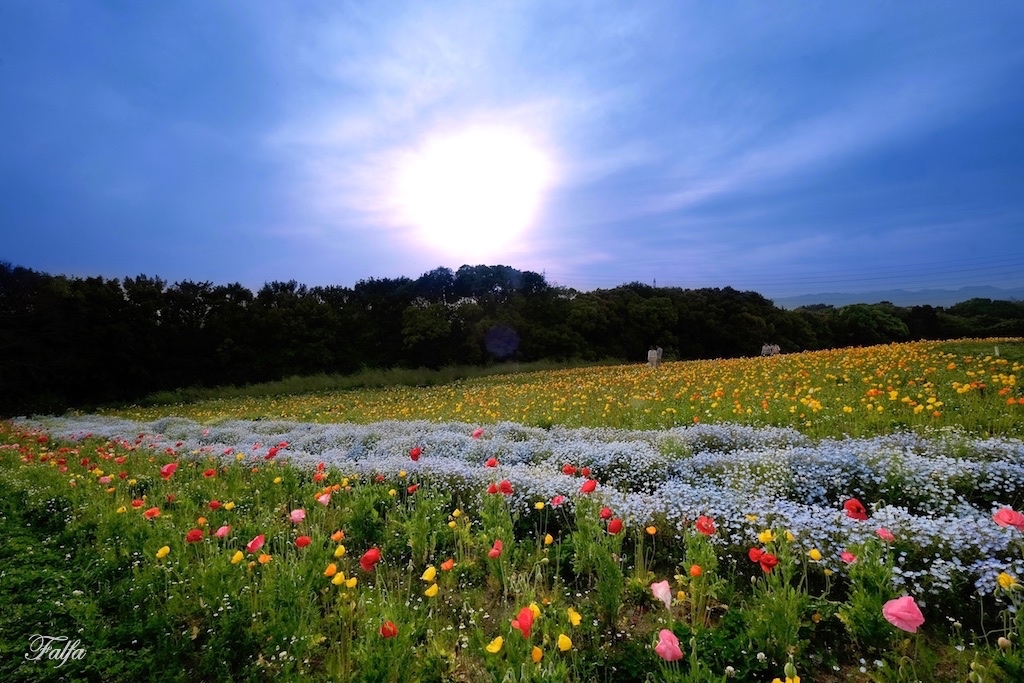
(80, 342)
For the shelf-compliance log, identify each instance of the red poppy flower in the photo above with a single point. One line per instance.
(524, 621)
(255, 544)
(214, 504)
(755, 554)
(585, 471)
(167, 470)
(491, 462)
(120, 460)
(369, 559)
(495, 551)
(151, 513)
(379, 478)
(447, 565)
(695, 570)
(122, 475)
(388, 629)
(271, 453)
(137, 503)
(412, 488)
(210, 473)
(588, 486)
(615, 526)
(414, 453)
(568, 469)
(194, 536)
(768, 562)
(492, 489)
(303, 541)
(855, 509)
(705, 525)
(505, 487)
(606, 513)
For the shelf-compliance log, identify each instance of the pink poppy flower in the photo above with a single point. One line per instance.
(668, 646)
(1009, 517)
(885, 534)
(662, 591)
(847, 557)
(297, 516)
(255, 544)
(222, 532)
(903, 613)
(324, 499)
(478, 432)
(557, 500)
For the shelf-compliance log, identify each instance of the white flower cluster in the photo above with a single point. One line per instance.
(935, 493)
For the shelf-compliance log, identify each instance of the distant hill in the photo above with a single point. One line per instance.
(904, 297)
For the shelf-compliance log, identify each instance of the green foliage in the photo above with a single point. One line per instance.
(870, 587)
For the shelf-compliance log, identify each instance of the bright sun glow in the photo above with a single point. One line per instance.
(475, 191)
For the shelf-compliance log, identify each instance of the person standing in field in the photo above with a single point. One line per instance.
(657, 363)
(652, 357)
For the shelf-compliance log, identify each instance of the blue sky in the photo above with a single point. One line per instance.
(785, 148)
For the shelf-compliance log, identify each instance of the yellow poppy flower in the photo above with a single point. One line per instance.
(429, 574)
(432, 591)
(564, 642)
(237, 557)
(163, 552)
(574, 617)
(495, 645)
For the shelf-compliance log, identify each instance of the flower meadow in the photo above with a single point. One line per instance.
(192, 549)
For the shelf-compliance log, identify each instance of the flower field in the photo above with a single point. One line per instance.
(844, 515)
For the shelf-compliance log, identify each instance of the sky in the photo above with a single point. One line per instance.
(782, 147)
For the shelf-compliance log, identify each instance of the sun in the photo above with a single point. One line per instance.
(475, 191)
